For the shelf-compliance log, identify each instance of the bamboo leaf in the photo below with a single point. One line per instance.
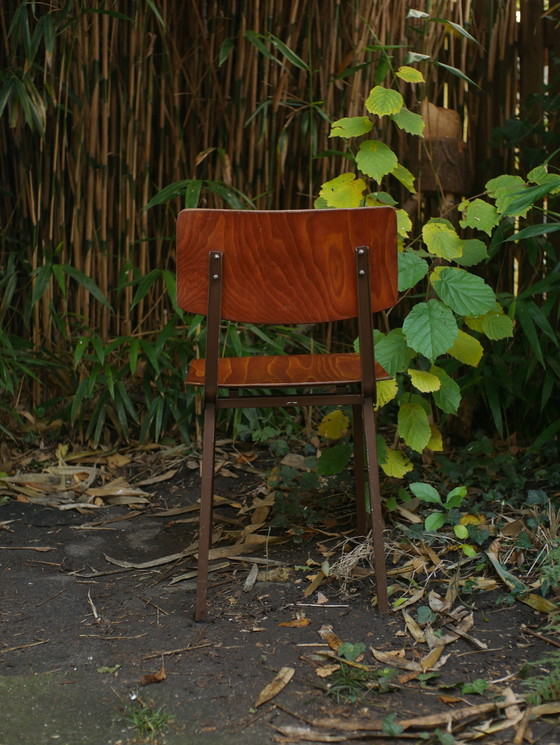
(458, 73)
(87, 283)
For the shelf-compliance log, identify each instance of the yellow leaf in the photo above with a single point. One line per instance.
(396, 464)
(278, 683)
(343, 191)
(472, 520)
(425, 382)
(539, 603)
(386, 391)
(436, 440)
(430, 660)
(466, 349)
(333, 425)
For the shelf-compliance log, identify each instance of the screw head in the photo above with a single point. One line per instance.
(362, 272)
(361, 251)
(215, 276)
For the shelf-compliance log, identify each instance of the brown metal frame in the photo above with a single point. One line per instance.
(362, 402)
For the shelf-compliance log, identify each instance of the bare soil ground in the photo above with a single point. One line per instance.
(86, 636)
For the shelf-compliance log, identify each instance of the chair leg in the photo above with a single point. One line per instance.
(375, 505)
(359, 468)
(206, 507)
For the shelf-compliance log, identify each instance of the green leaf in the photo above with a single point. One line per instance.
(425, 492)
(376, 159)
(334, 460)
(434, 522)
(479, 214)
(409, 121)
(495, 324)
(442, 240)
(411, 269)
(455, 497)
(403, 175)
(466, 349)
(351, 126)
(430, 328)
(410, 74)
(448, 397)
(392, 352)
(504, 182)
(382, 101)
(396, 464)
(463, 292)
(461, 531)
(343, 191)
(351, 651)
(474, 251)
(414, 426)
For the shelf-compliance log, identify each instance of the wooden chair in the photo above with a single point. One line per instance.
(288, 267)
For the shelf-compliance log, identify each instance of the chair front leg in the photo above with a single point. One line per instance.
(206, 509)
(375, 504)
(359, 468)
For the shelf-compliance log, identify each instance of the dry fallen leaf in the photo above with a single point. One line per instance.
(277, 684)
(296, 623)
(327, 634)
(158, 677)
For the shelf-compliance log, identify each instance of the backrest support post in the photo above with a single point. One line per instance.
(365, 322)
(215, 280)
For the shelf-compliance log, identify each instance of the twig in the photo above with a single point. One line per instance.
(23, 646)
(189, 648)
(542, 637)
(49, 599)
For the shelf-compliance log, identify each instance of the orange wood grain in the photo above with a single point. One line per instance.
(284, 371)
(286, 266)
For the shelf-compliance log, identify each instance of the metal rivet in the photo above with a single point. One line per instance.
(361, 272)
(361, 251)
(216, 256)
(215, 276)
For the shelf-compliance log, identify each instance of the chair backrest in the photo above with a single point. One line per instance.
(288, 266)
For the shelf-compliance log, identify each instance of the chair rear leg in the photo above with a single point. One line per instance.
(206, 508)
(375, 505)
(359, 468)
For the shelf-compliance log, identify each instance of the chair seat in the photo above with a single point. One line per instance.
(284, 371)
